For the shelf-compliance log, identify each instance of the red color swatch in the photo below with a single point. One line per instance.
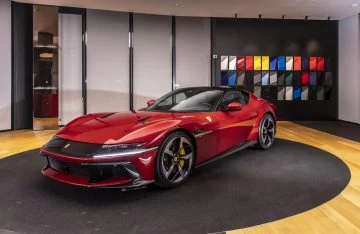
(249, 63)
(313, 64)
(240, 63)
(320, 63)
(305, 78)
(297, 63)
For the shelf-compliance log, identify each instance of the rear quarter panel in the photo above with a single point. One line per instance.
(262, 107)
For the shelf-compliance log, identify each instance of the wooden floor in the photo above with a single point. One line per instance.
(340, 215)
(14, 142)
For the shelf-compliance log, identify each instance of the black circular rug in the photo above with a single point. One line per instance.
(248, 188)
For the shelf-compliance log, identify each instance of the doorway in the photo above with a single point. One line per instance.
(58, 66)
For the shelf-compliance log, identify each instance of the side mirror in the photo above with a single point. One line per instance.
(233, 106)
(150, 102)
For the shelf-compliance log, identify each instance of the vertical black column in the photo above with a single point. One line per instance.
(12, 66)
(212, 59)
(173, 51)
(22, 65)
(335, 79)
(131, 61)
(84, 62)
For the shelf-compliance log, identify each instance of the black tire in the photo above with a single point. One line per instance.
(174, 170)
(266, 133)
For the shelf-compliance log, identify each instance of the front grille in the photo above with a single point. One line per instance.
(95, 173)
(71, 148)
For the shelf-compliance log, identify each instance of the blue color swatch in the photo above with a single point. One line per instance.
(313, 78)
(297, 93)
(304, 63)
(281, 63)
(232, 78)
(273, 63)
(265, 78)
(224, 78)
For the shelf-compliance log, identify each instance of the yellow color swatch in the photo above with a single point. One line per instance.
(257, 63)
(265, 63)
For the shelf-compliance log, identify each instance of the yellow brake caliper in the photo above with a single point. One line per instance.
(182, 153)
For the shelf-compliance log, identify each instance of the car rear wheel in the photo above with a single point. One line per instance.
(266, 135)
(175, 160)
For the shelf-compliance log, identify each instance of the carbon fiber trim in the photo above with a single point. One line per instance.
(71, 148)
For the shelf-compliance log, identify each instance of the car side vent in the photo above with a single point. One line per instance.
(144, 119)
(105, 116)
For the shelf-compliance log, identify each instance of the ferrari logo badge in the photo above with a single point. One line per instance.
(208, 118)
(67, 145)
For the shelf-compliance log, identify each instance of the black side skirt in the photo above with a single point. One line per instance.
(228, 152)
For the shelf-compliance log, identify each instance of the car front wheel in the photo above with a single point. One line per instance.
(174, 161)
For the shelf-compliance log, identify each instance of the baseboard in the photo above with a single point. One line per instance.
(350, 122)
(6, 130)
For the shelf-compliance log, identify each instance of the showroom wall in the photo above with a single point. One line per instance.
(152, 57)
(5, 65)
(111, 82)
(174, 52)
(193, 51)
(107, 61)
(349, 69)
(303, 81)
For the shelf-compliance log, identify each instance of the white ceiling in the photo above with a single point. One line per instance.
(294, 9)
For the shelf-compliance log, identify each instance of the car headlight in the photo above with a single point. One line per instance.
(118, 150)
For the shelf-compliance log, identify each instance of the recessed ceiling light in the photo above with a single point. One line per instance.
(355, 4)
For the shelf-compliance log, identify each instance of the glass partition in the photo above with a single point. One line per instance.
(70, 67)
(193, 56)
(107, 61)
(152, 58)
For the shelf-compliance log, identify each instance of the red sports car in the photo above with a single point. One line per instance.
(162, 143)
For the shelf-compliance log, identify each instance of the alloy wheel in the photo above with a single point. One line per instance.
(177, 159)
(267, 131)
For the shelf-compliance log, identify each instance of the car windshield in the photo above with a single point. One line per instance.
(188, 100)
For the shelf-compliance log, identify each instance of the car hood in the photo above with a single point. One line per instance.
(119, 127)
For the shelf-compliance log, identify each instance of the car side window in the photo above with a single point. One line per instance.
(173, 100)
(233, 96)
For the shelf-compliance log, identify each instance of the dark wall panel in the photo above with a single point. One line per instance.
(22, 65)
(282, 37)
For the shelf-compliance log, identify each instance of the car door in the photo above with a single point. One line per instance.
(234, 126)
(207, 137)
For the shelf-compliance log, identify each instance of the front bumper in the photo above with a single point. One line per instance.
(120, 172)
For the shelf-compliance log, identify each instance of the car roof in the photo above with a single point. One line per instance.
(223, 88)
